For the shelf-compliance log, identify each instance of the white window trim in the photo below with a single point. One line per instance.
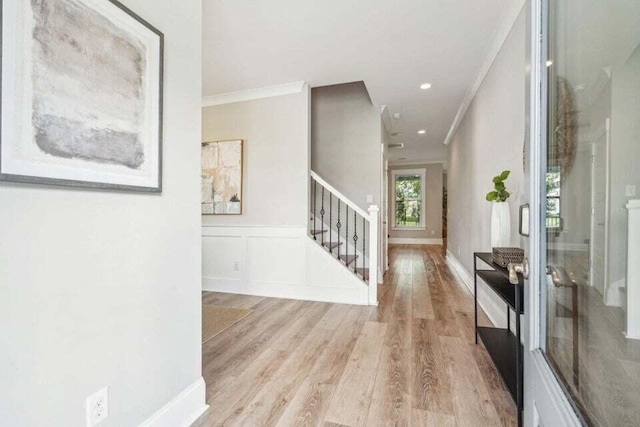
(423, 179)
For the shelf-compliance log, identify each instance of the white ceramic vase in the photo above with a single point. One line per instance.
(500, 225)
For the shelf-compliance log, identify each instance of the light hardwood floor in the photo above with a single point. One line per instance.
(410, 361)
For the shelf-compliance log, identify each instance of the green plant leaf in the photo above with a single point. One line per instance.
(500, 186)
(504, 175)
(492, 196)
(497, 180)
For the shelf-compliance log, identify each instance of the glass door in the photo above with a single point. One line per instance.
(589, 277)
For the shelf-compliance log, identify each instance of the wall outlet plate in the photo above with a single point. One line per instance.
(97, 407)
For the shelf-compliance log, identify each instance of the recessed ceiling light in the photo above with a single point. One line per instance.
(425, 86)
(422, 131)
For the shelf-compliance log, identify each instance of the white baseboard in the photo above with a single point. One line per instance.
(614, 295)
(182, 410)
(287, 291)
(631, 337)
(493, 309)
(411, 241)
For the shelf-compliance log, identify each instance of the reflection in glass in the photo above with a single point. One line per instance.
(593, 171)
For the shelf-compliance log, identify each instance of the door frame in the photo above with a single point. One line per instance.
(603, 131)
(545, 400)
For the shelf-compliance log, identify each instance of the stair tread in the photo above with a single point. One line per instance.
(348, 259)
(364, 272)
(332, 245)
(315, 232)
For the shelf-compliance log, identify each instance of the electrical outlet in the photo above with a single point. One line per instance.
(369, 198)
(97, 407)
(236, 266)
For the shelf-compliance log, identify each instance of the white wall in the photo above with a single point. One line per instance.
(433, 207)
(489, 140)
(101, 288)
(625, 152)
(266, 250)
(276, 152)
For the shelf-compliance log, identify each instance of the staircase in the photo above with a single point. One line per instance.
(346, 232)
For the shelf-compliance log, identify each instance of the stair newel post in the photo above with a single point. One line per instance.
(355, 243)
(315, 193)
(373, 254)
(322, 217)
(364, 249)
(338, 226)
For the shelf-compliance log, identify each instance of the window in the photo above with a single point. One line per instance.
(408, 189)
(553, 199)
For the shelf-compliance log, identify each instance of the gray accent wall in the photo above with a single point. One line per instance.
(432, 204)
(346, 142)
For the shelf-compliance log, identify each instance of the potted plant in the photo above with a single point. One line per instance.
(500, 216)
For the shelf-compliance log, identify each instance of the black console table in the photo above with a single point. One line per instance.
(504, 347)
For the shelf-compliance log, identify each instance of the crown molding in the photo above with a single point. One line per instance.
(508, 19)
(252, 94)
(415, 162)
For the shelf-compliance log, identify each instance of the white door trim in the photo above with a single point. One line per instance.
(545, 401)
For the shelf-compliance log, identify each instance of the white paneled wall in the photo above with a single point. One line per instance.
(275, 261)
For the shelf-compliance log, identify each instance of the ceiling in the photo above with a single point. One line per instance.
(392, 45)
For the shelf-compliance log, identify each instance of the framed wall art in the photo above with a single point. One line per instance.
(81, 95)
(222, 177)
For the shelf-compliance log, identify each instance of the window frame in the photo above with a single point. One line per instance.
(402, 172)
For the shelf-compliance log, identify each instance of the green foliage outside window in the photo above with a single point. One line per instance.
(408, 200)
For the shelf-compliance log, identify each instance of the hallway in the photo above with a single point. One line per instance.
(410, 361)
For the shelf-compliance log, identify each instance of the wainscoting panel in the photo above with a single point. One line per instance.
(281, 262)
(221, 253)
(275, 259)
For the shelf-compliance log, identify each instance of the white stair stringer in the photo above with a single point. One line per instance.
(331, 280)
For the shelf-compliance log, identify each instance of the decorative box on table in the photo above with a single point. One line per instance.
(504, 256)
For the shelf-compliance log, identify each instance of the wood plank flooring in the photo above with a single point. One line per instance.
(411, 361)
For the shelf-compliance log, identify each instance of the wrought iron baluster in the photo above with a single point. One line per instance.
(346, 235)
(355, 242)
(330, 222)
(322, 218)
(339, 226)
(315, 193)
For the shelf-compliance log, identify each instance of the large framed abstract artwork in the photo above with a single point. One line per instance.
(81, 95)
(222, 177)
